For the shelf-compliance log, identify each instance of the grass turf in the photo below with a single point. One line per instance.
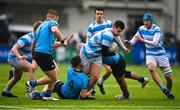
(149, 98)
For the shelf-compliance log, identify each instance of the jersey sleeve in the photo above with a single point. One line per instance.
(53, 23)
(89, 31)
(22, 42)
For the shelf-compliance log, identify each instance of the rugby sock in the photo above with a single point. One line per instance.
(93, 88)
(6, 90)
(43, 93)
(141, 79)
(48, 93)
(35, 92)
(162, 87)
(126, 94)
(101, 81)
(33, 83)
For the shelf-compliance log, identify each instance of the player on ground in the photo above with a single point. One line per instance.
(76, 83)
(20, 59)
(45, 37)
(152, 35)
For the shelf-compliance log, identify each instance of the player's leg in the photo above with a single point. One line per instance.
(103, 78)
(167, 71)
(48, 66)
(118, 72)
(11, 83)
(94, 75)
(151, 62)
(28, 67)
(135, 76)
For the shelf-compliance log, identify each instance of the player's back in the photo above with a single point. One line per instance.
(76, 81)
(45, 37)
(149, 34)
(24, 43)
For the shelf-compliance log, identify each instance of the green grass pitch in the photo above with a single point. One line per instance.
(148, 98)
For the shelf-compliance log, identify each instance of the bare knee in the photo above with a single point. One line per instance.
(169, 78)
(152, 69)
(109, 70)
(95, 78)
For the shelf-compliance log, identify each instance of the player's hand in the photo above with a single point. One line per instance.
(23, 57)
(127, 50)
(127, 42)
(65, 43)
(85, 93)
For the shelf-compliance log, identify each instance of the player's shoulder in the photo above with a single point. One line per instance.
(27, 36)
(92, 24)
(155, 27)
(108, 21)
(54, 22)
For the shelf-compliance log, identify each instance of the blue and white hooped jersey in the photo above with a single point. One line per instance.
(93, 47)
(148, 34)
(45, 37)
(94, 27)
(24, 43)
(76, 81)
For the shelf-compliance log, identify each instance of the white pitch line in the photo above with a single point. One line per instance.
(34, 107)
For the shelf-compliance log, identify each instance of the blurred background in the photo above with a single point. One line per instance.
(17, 17)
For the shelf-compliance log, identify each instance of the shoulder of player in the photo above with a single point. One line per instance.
(92, 24)
(108, 21)
(28, 36)
(156, 28)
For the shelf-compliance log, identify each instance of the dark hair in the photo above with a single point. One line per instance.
(36, 25)
(52, 13)
(120, 24)
(99, 9)
(75, 61)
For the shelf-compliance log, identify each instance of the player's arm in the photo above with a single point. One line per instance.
(133, 40)
(84, 93)
(119, 41)
(15, 50)
(62, 43)
(33, 46)
(57, 33)
(155, 40)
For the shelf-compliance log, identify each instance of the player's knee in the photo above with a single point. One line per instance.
(109, 70)
(169, 77)
(151, 70)
(95, 78)
(31, 69)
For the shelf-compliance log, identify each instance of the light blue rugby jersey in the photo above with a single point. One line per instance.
(93, 47)
(24, 43)
(148, 34)
(45, 37)
(94, 27)
(76, 81)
